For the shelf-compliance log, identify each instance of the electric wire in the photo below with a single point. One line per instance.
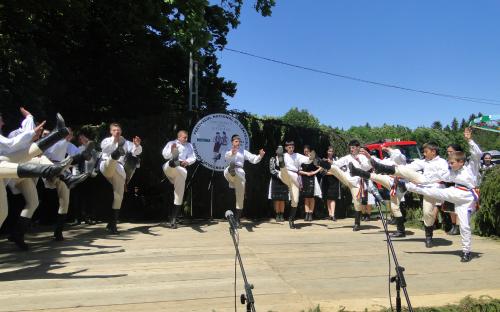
(493, 102)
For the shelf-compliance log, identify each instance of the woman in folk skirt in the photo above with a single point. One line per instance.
(278, 191)
(310, 185)
(330, 186)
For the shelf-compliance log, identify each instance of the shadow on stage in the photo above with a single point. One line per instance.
(361, 228)
(43, 259)
(457, 253)
(408, 233)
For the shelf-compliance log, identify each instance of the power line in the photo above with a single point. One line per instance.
(380, 84)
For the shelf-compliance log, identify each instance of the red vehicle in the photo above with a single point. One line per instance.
(408, 148)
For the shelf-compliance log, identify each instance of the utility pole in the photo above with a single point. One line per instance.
(193, 82)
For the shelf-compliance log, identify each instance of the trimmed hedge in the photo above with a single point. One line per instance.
(487, 220)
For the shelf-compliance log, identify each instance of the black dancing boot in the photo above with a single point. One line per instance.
(17, 235)
(281, 156)
(231, 169)
(428, 236)
(73, 180)
(174, 161)
(119, 151)
(238, 217)
(111, 226)
(29, 170)
(400, 232)
(175, 212)
(58, 231)
(60, 132)
(384, 169)
(323, 164)
(357, 221)
(85, 154)
(291, 218)
(465, 257)
(356, 172)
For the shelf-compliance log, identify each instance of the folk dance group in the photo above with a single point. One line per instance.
(25, 157)
(30, 153)
(293, 175)
(426, 177)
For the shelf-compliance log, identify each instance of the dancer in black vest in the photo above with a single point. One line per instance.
(278, 191)
(310, 186)
(330, 186)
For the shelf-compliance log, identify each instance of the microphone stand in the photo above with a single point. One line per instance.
(248, 296)
(211, 188)
(190, 184)
(399, 278)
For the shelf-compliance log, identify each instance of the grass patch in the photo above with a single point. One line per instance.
(467, 304)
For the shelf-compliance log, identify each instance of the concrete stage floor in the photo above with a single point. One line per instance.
(150, 267)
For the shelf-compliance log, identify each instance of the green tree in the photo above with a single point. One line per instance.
(454, 124)
(101, 60)
(423, 135)
(487, 219)
(437, 125)
(300, 118)
(463, 124)
(371, 134)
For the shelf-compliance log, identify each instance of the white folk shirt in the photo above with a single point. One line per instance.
(18, 139)
(358, 161)
(395, 158)
(26, 125)
(239, 160)
(186, 151)
(108, 146)
(468, 175)
(294, 161)
(434, 170)
(17, 143)
(60, 149)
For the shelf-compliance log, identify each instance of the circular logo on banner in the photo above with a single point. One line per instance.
(211, 139)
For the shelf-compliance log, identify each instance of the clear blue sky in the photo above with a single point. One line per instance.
(443, 46)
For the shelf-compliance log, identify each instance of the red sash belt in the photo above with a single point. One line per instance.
(474, 191)
(394, 186)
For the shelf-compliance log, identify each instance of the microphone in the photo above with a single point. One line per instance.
(232, 222)
(373, 189)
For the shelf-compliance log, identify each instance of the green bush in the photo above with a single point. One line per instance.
(487, 220)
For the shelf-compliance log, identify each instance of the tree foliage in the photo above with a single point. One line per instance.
(437, 125)
(102, 60)
(487, 219)
(300, 118)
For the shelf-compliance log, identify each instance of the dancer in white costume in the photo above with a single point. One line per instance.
(179, 155)
(235, 174)
(114, 149)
